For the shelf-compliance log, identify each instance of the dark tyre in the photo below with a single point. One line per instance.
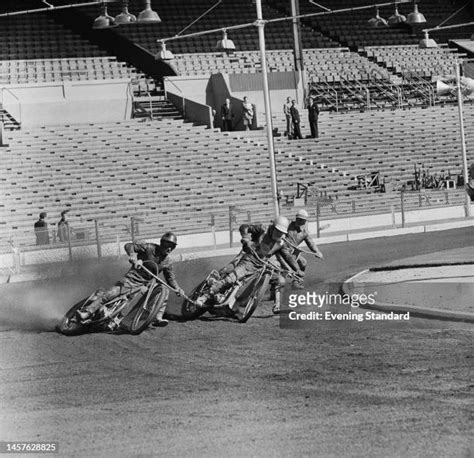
(146, 309)
(251, 298)
(68, 325)
(191, 311)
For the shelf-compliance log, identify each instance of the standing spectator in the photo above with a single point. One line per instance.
(247, 114)
(63, 227)
(295, 119)
(41, 230)
(313, 113)
(227, 114)
(287, 111)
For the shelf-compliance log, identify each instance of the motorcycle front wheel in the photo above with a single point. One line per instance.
(146, 309)
(251, 297)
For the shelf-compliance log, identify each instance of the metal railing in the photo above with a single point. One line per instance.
(181, 93)
(415, 86)
(11, 103)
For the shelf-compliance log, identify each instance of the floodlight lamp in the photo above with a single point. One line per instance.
(148, 15)
(125, 17)
(377, 21)
(163, 53)
(415, 17)
(427, 42)
(225, 44)
(396, 18)
(104, 21)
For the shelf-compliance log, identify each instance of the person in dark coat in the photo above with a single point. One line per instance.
(41, 230)
(227, 114)
(296, 120)
(63, 227)
(313, 114)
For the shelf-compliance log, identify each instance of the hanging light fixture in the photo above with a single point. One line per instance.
(396, 17)
(163, 53)
(415, 17)
(225, 44)
(125, 17)
(148, 15)
(377, 21)
(104, 21)
(428, 42)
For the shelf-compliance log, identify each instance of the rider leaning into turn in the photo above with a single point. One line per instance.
(139, 252)
(265, 243)
(297, 234)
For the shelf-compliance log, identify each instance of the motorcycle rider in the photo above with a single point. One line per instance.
(139, 252)
(264, 243)
(297, 234)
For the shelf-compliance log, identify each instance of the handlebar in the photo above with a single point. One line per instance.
(301, 250)
(267, 262)
(164, 283)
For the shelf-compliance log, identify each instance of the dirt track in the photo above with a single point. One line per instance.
(217, 388)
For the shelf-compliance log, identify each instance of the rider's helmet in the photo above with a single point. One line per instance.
(169, 237)
(302, 214)
(281, 223)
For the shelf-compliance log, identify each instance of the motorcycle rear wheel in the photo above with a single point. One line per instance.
(191, 311)
(68, 325)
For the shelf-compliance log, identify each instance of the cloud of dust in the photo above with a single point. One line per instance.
(40, 305)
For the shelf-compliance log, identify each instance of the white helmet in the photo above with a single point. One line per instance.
(281, 223)
(302, 214)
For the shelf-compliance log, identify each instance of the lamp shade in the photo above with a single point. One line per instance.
(396, 18)
(125, 17)
(163, 53)
(415, 17)
(148, 15)
(377, 21)
(428, 42)
(103, 21)
(225, 44)
(443, 88)
(467, 85)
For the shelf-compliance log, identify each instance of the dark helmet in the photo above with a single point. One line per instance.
(170, 238)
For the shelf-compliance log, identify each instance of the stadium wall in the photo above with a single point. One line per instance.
(57, 103)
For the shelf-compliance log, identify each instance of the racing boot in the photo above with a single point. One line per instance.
(297, 284)
(83, 315)
(89, 310)
(159, 321)
(277, 303)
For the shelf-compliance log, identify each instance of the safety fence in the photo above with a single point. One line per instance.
(104, 238)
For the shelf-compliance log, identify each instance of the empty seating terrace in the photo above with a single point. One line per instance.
(428, 63)
(329, 64)
(68, 69)
(390, 142)
(38, 36)
(173, 173)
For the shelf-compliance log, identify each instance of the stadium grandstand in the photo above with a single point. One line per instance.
(96, 121)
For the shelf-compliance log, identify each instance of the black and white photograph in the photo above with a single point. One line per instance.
(237, 228)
